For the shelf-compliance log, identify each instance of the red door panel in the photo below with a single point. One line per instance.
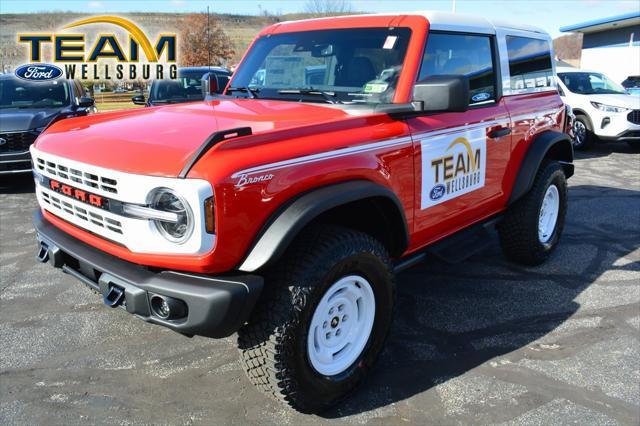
(459, 169)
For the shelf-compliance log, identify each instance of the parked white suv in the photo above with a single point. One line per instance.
(604, 110)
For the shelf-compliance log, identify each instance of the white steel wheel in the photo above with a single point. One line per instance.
(341, 325)
(548, 217)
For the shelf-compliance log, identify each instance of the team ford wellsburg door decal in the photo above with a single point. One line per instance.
(453, 164)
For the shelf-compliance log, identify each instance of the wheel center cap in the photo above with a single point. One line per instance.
(334, 322)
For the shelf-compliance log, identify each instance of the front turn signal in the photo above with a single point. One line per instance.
(209, 216)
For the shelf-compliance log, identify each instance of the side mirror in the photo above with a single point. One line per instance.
(210, 84)
(442, 93)
(85, 102)
(139, 100)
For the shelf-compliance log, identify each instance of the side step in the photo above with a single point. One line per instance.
(461, 245)
(457, 247)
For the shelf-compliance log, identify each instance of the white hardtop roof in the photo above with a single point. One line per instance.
(450, 21)
(446, 21)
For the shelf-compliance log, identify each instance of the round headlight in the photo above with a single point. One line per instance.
(177, 231)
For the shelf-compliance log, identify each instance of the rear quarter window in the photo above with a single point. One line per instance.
(529, 64)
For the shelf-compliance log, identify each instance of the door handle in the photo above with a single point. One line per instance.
(498, 133)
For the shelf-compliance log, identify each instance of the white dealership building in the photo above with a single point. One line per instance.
(611, 45)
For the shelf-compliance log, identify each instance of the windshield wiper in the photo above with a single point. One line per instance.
(169, 101)
(607, 92)
(330, 97)
(253, 93)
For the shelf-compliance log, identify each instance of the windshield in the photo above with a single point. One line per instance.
(187, 87)
(590, 83)
(347, 66)
(16, 93)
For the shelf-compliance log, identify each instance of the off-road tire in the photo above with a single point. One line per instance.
(589, 136)
(518, 230)
(273, 344)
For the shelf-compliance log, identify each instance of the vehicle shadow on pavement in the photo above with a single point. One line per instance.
(605, 149)
(453, 318)
(17, 184)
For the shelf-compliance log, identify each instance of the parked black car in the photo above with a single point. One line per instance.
(186, 88)
(27, 108)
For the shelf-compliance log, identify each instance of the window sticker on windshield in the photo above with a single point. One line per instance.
(375, 87)
(390, 42)
(285, 71)
(453, 164)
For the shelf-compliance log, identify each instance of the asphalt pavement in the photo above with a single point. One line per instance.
(481, 342)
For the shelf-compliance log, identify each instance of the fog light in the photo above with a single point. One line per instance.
(163, 309)
(168, 308)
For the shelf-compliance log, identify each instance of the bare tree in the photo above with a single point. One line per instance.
(328, 7)
(203, 41)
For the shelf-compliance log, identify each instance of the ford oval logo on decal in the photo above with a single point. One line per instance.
(479, 97)
(437, 192)
(38, 72)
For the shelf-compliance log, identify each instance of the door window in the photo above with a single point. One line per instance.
(462, 54)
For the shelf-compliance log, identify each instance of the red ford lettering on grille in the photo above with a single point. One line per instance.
(78, 194)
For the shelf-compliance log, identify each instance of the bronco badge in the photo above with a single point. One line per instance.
(244, 180)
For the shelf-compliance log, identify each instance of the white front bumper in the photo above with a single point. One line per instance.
(618, 124)
(138, 235)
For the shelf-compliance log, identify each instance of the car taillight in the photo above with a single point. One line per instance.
(209, 215)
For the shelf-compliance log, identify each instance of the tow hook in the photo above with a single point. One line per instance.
(114, 296)
(43, 253)
(48, 252)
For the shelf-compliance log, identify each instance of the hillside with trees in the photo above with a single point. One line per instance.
(229, 35)
(568, 48)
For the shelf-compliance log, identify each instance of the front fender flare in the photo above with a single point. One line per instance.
(286, 224)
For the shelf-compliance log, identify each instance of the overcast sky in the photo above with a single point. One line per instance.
(547, 14)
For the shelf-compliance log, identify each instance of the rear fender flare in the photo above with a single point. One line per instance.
(551, 144)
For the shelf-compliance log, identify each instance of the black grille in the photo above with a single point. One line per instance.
(634, 116)
(16, 142)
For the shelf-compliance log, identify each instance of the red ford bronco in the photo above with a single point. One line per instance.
(342, 151)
